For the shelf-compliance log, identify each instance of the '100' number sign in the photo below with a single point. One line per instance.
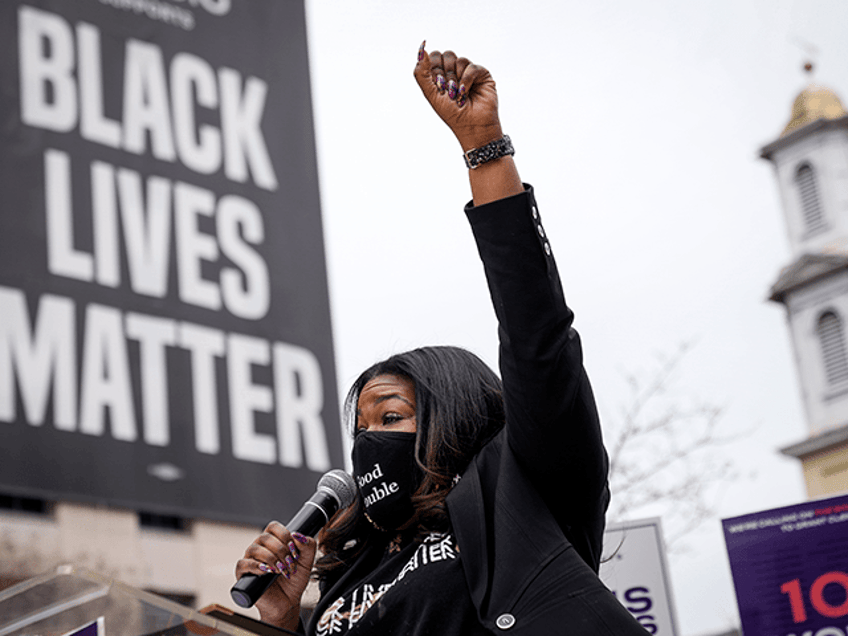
(835, 582)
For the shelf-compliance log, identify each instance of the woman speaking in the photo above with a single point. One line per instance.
(481, 501)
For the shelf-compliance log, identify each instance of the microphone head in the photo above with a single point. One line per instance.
(339, 485)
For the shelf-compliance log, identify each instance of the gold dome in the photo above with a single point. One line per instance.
(814, 102)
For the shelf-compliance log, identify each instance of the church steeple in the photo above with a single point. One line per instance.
(810, 159)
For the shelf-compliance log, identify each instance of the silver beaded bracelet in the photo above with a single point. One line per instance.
(491, 151)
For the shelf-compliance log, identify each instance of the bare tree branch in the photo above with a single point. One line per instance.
(664, 453)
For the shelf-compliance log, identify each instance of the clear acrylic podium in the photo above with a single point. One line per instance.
(76, 602)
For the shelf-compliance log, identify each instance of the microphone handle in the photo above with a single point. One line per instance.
(250, 587)
(308, 521)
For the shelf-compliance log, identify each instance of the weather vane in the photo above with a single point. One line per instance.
(811, 53)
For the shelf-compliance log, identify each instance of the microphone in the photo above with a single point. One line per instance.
(336, 489)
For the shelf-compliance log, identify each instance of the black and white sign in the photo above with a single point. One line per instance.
(634, 567)
(165, 337)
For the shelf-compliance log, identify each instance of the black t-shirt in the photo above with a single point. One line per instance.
(418, 589)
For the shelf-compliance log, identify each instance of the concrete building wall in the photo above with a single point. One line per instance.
(198, 562)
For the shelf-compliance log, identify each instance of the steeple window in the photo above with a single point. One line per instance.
(831, 335)
(808, 191)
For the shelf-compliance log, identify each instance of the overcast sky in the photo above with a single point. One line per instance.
(639, 124)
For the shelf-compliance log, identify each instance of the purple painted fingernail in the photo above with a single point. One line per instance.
(280, 567)
(440, 83)
(300, 538)
(286, 574)
(452, 89)
(264, 568)
(291, 564)
(461, 102)
(293, 549)
(421, 50)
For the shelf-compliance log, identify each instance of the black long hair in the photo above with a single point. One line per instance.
(459, 407)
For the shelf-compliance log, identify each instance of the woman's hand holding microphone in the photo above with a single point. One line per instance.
(291, 556)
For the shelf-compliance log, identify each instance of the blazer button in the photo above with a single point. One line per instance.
(505, 621)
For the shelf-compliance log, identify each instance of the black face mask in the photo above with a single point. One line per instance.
(385, 469)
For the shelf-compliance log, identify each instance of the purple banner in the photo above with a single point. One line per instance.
(94, 628)
(790, 569)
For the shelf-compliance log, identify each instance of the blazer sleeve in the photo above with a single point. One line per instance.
(552, 421)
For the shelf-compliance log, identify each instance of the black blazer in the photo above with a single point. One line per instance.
(528, 513)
